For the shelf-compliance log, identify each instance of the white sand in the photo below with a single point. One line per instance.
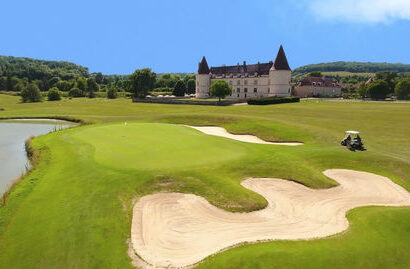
(219, 131)
(175, 229)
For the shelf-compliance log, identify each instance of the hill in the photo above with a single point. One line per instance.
(34, 69)
(353, 67)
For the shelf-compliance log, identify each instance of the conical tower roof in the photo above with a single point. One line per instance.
(281, 63)
(203, 67)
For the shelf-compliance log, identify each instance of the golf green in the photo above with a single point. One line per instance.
(149, 146)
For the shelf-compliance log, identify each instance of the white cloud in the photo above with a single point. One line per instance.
(367, 11)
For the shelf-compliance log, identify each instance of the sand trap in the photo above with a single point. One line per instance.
(176, 230)
(219, 131)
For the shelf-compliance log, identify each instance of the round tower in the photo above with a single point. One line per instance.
(203, 80)
(280, 76)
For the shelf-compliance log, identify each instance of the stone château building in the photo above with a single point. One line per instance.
(247, 81)
(318, 87)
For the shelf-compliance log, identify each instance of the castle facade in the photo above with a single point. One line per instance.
(247, 81)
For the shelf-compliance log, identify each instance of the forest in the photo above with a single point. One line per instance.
(354, 67)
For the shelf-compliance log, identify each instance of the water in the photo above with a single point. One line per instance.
(13, 134)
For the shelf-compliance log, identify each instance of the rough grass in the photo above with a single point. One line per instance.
(74, 209)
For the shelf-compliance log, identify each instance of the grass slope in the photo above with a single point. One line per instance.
(74, 209)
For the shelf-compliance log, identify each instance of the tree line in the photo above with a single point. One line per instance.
(385, 84)
(31, 77)
(354, 67)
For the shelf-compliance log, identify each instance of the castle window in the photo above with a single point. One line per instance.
(238, 90)
(246, 82)
(245, 95)
(255, 82)
(255, 90)
(238, 95)
(238, 83)
(246, 89)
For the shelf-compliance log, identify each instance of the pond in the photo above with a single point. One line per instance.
(13, 134)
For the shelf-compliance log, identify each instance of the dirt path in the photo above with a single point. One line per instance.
(219, 131)
(175, 229)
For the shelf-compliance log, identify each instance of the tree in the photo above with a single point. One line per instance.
(220, 89)
(11, 83)
(316, 74)
(142, 81)
(64, 85)
(402, 89)
(112, 93)
(179, 89)
(53, 94)
(3, 84)
(191, 86)
(31, 93)
(81, 84)
(52, 82)
(378, 89)
(92, 87)
(388, 77)
(362, 90)
(75, 92)
(98, 77)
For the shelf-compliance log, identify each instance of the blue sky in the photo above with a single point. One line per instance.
(117, 37)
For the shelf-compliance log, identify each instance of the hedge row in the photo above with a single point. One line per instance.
(273, 100)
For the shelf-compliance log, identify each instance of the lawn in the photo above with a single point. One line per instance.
(74, 209)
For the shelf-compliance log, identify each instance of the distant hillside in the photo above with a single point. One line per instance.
(34, 69)
(353, 67)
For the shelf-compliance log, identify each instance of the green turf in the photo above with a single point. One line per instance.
(163, 146)
(74, 209)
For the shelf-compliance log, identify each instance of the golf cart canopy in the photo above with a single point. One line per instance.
(352, 132)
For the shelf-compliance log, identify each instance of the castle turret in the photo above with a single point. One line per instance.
(203, 80)
(280, 75)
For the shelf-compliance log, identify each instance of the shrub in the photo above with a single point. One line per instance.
(112, 93)
(273, 100)
(75, 92)
(54, 94)
(31, 93)
(378, 89)
(163, 89)
(402, 89)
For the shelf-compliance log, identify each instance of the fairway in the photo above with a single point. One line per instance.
(74, 210)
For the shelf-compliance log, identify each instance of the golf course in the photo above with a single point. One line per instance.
(75, 208)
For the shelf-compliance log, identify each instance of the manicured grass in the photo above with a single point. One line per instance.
(375, 239)
(74, 209)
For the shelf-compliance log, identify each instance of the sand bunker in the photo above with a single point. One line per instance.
(176, 230)
(219, 131)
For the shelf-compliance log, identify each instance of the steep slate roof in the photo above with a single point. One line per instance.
(325, 82)
(203, 67)
(259, 69)
(281, 63)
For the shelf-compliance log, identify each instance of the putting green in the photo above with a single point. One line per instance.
(148, 146)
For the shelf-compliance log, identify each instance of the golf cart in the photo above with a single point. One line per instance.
(353, 141)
